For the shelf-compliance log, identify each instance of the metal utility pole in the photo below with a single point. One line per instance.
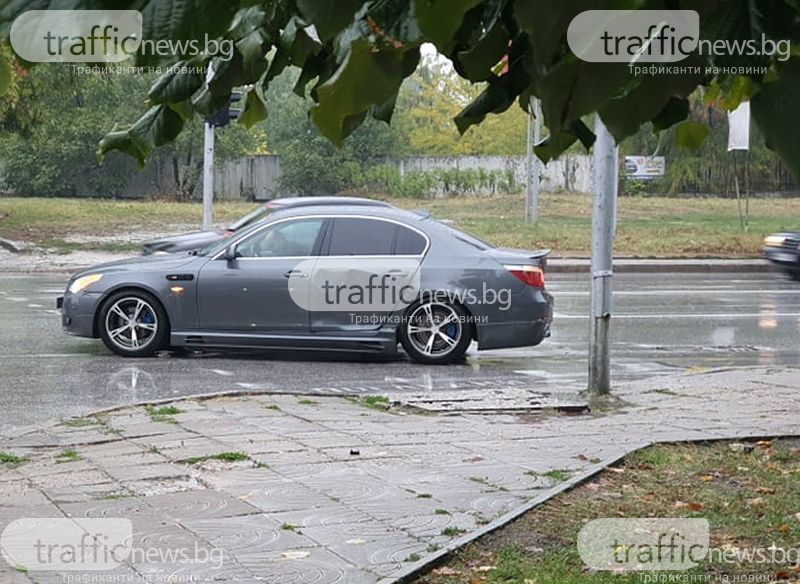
(532, 171)
(208, 175)
(604, 208)
(208, 162)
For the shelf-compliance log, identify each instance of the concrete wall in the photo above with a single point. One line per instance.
(258, 177)
(568, 173)
(254, 177)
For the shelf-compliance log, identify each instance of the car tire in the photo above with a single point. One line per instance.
(427, 343)
(132, 323)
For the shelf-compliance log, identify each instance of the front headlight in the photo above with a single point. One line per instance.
(83, 282)
(774, 240)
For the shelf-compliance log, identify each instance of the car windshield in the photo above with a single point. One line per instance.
(252, 217)
(218, 246)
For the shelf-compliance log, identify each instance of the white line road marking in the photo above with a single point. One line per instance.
(721, 315)
(678, 292)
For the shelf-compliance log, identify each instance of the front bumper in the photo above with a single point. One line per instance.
(782, 256)
(77, 313)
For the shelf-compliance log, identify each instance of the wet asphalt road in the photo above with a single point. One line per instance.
(663, 323)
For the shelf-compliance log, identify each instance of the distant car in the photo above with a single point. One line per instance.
(783, 250)
(199, 239)
(240, 293)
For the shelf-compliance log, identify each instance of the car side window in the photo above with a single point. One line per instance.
(285, 239)
(361, 236)
(409, 242)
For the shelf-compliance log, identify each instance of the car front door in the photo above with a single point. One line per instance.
(250, 294)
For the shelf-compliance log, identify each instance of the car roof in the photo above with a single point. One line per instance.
(312, 201)
(386, 212)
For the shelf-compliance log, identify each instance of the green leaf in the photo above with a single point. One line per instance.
(555, 144)
(476, 62)
(623, 115)
(690, 135)
(675, 111)
(365, 79)
(438, 20)
(775, 110)
(174, 85)
(251, 39)
(160, 125)
(176, 21)
(499, 94)
(329, 17)
(254, 110)
(297, 44)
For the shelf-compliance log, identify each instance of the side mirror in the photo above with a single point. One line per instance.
(231, 252)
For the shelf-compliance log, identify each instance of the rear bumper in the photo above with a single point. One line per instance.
(519, 333)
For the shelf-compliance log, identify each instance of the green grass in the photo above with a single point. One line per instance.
(557, 475)
(452, 531)
(8, 459)
(441, 512)
(307, 402)
(290, 527)
(375, 402)
(647, 226)
(67, 455)
(223, 456)
(80, 422)
(750, 497)
(163, 414)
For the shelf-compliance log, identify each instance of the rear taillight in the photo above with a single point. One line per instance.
(530, 275)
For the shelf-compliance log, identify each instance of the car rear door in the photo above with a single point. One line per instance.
(361, 242)
(251, 293)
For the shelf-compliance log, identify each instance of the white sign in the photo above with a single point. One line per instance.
(739, 127)
(645, 167)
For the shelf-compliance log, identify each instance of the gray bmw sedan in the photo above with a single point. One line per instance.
(335, 278)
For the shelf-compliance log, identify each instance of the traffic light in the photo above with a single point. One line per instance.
(223, 116)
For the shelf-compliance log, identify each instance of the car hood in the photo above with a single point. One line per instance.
(140, 263)
(184, 241)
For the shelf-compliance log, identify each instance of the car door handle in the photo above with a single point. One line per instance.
(400, 273)
(295, 274)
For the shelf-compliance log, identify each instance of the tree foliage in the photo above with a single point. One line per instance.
(353, 62)
(53, 117)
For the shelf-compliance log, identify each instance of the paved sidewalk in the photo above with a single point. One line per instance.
(332, 491)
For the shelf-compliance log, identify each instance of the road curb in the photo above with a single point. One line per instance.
(554, 266)
(630, 266)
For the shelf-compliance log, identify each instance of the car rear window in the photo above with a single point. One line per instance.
(464, 237)
(409, 242)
